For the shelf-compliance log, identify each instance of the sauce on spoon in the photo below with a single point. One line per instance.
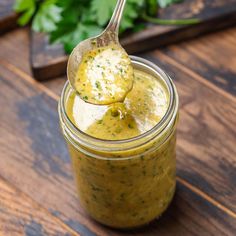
(105, 75)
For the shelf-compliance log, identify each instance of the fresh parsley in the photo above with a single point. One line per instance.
(71, 21)
(27, 8)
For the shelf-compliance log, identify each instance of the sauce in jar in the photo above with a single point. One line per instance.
(105, 75)
(142, 109)
(123, 154)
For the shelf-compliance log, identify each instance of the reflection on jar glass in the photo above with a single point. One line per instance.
(125, 183)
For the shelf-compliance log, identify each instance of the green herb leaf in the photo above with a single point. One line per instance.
(22, 5)
(71, 21)
(72, 38)
(151, 7)
(27, 7)
(102, 10)
(48, 15)
(131, 12)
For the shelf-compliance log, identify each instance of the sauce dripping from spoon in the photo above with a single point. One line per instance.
(99, 69)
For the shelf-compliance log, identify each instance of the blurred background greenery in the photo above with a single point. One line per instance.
(70, 21)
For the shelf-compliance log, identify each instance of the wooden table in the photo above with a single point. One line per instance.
(37, 193)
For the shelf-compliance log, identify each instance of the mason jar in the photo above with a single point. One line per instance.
(125, 183)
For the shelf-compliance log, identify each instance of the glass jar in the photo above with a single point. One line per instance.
(125, 183)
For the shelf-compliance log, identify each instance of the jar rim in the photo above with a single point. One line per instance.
(114, 145)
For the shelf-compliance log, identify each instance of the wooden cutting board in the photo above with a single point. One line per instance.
(8, 18)
(48, 61)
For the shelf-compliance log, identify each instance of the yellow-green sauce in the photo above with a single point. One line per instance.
(143, 108)
(120, 191)
(105, 75)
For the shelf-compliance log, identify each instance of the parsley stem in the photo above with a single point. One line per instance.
(170, 21)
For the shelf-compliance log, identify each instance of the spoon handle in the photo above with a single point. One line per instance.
(116, 17)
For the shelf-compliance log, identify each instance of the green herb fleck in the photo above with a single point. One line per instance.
(130, 126)
(118, 130)
(121, 70)
(114, 112)
(98, 85)
(99, 122)
(122, 196)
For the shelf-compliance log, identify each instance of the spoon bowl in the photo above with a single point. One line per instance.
(108, 37)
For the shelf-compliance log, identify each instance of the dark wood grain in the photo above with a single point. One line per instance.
(212, 57)
(217, 110)
(219, 170)
(41, 162)
(15, 49)
(49, 61)
(19, 215)
(207, 135)
(55, 84)
(195, 101)
(8, 18)
(213, 15)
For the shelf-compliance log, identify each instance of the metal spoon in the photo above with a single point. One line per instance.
(107, 37)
